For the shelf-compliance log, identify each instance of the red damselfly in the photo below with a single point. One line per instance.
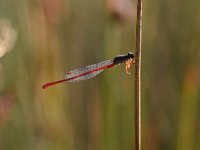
(91, 71)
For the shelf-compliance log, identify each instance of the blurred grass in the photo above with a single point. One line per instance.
(56, 36)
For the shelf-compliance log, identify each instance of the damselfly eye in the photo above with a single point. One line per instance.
(130, 54)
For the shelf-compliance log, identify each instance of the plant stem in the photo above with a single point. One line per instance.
(138, 76)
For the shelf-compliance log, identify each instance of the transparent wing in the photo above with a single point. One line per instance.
(87, 72)
(85, 77)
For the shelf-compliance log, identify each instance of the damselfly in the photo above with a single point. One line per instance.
(91, 71)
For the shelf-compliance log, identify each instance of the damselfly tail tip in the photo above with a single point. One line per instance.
(53, 83)
(45, 86)
(48, 85)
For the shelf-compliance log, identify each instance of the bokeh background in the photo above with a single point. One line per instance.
(40, 40)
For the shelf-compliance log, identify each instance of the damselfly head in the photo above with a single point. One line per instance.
(131, 55)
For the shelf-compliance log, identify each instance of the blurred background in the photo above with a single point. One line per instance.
(40, 40)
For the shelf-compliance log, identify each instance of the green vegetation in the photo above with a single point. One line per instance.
(41, 40)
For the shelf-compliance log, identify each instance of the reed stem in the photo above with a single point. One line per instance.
(138, 76)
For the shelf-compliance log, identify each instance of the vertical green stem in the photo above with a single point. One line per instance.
(138, 77)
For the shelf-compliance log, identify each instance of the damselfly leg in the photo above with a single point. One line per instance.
(128, 65)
